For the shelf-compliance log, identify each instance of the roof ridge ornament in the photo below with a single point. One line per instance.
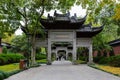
(68, 14)
(61, 15)
(75, 15)
(90, 24)
(48, 15)
(55, 13)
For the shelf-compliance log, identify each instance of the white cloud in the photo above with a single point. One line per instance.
(78, 10)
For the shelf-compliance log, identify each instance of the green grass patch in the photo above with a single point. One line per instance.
(80, 62)
(42, 61)
(9, 67)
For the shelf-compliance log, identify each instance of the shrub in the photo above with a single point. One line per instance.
(112, 60)
(5, 74)
(105, 54)
(112, 53)
(115, 61)
(83, 58)
(10, 58)
(40, 56)
(4, 50)
(3, 60)
(104, 60)
(99, 54)
(97, 59)
(14, 72)
(1, 76)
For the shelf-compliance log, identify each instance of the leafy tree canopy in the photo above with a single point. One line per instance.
(103, 12)
(27, 14)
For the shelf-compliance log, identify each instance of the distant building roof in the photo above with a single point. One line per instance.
(88, 31)
(8, 45)
(114, 42)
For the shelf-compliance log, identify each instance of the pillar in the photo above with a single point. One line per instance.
(66, 54)
(90, 60)
(49, 52)
(74, 48)
(56, 55)
(74, 51)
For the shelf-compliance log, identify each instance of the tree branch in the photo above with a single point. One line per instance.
(26, 20)
(42, 12)
(20, 12)
(43, 8)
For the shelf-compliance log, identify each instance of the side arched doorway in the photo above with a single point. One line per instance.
(83, 54)
(69, 56)
(53, 56)
(61, 55)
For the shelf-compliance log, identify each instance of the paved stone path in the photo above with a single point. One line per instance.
(63, 70)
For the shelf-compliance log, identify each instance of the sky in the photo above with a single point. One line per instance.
(75, 9)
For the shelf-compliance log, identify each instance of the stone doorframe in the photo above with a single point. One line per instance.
(76, 42)
(73, 51)
(86, 42)
(61, 36)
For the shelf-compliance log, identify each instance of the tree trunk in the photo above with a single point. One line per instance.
(0, 45)
(0, 41)
(33, 51)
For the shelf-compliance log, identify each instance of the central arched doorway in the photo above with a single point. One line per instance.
(82, 53)
(61, 55)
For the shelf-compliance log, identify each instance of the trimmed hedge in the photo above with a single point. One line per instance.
(14, 72)
(4, 74)
(10, 58)
(1, 76)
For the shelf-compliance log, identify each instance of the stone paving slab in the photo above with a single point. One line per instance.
(63, 70)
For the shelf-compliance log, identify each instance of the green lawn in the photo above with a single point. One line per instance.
(15, 66)
(42, 61)
(80, 62)
(9, 67)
